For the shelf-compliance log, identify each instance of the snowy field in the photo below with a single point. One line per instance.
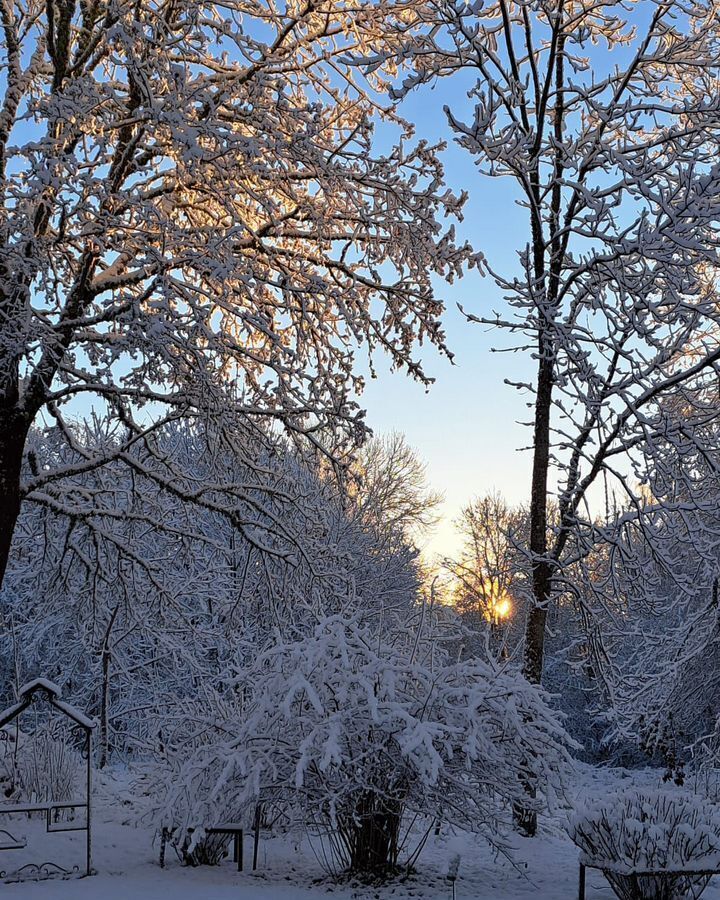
(544, 868)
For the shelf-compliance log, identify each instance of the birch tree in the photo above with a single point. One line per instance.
(193, 220)
(602, 116)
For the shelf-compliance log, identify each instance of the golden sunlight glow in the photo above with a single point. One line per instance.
(502, 608)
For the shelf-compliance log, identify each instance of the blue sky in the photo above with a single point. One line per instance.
(465, 427)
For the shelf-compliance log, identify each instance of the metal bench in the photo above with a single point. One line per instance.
(234, 831)
(231, 829)
(10, 842)
(639, 872)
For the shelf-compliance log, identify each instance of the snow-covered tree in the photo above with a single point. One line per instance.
(193, 221)
(490, 575)
(491, 587)
(651, 600)
(603, 116)
(134, 595)
(391, 488)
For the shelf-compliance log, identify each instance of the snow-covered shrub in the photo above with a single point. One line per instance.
(43, 768)
(349, 734)
(631, 834)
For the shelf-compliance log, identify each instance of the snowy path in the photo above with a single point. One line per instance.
(545, 869)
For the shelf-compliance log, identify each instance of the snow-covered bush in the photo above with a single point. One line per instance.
(43, 768)
(348, 734)
(631, 834)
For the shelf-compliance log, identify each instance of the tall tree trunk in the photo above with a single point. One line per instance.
(15, 419)
(13, 433)
(106, 661)
(542, 569)
(525, 817)
(104, 709)
(541, 566)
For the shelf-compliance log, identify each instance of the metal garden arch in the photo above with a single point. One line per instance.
(42, 692)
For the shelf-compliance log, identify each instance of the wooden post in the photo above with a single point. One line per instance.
(238, 849)
(163, 844)
(581, 883)
(256, 836)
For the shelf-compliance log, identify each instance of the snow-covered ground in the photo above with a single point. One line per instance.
(543, 868)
